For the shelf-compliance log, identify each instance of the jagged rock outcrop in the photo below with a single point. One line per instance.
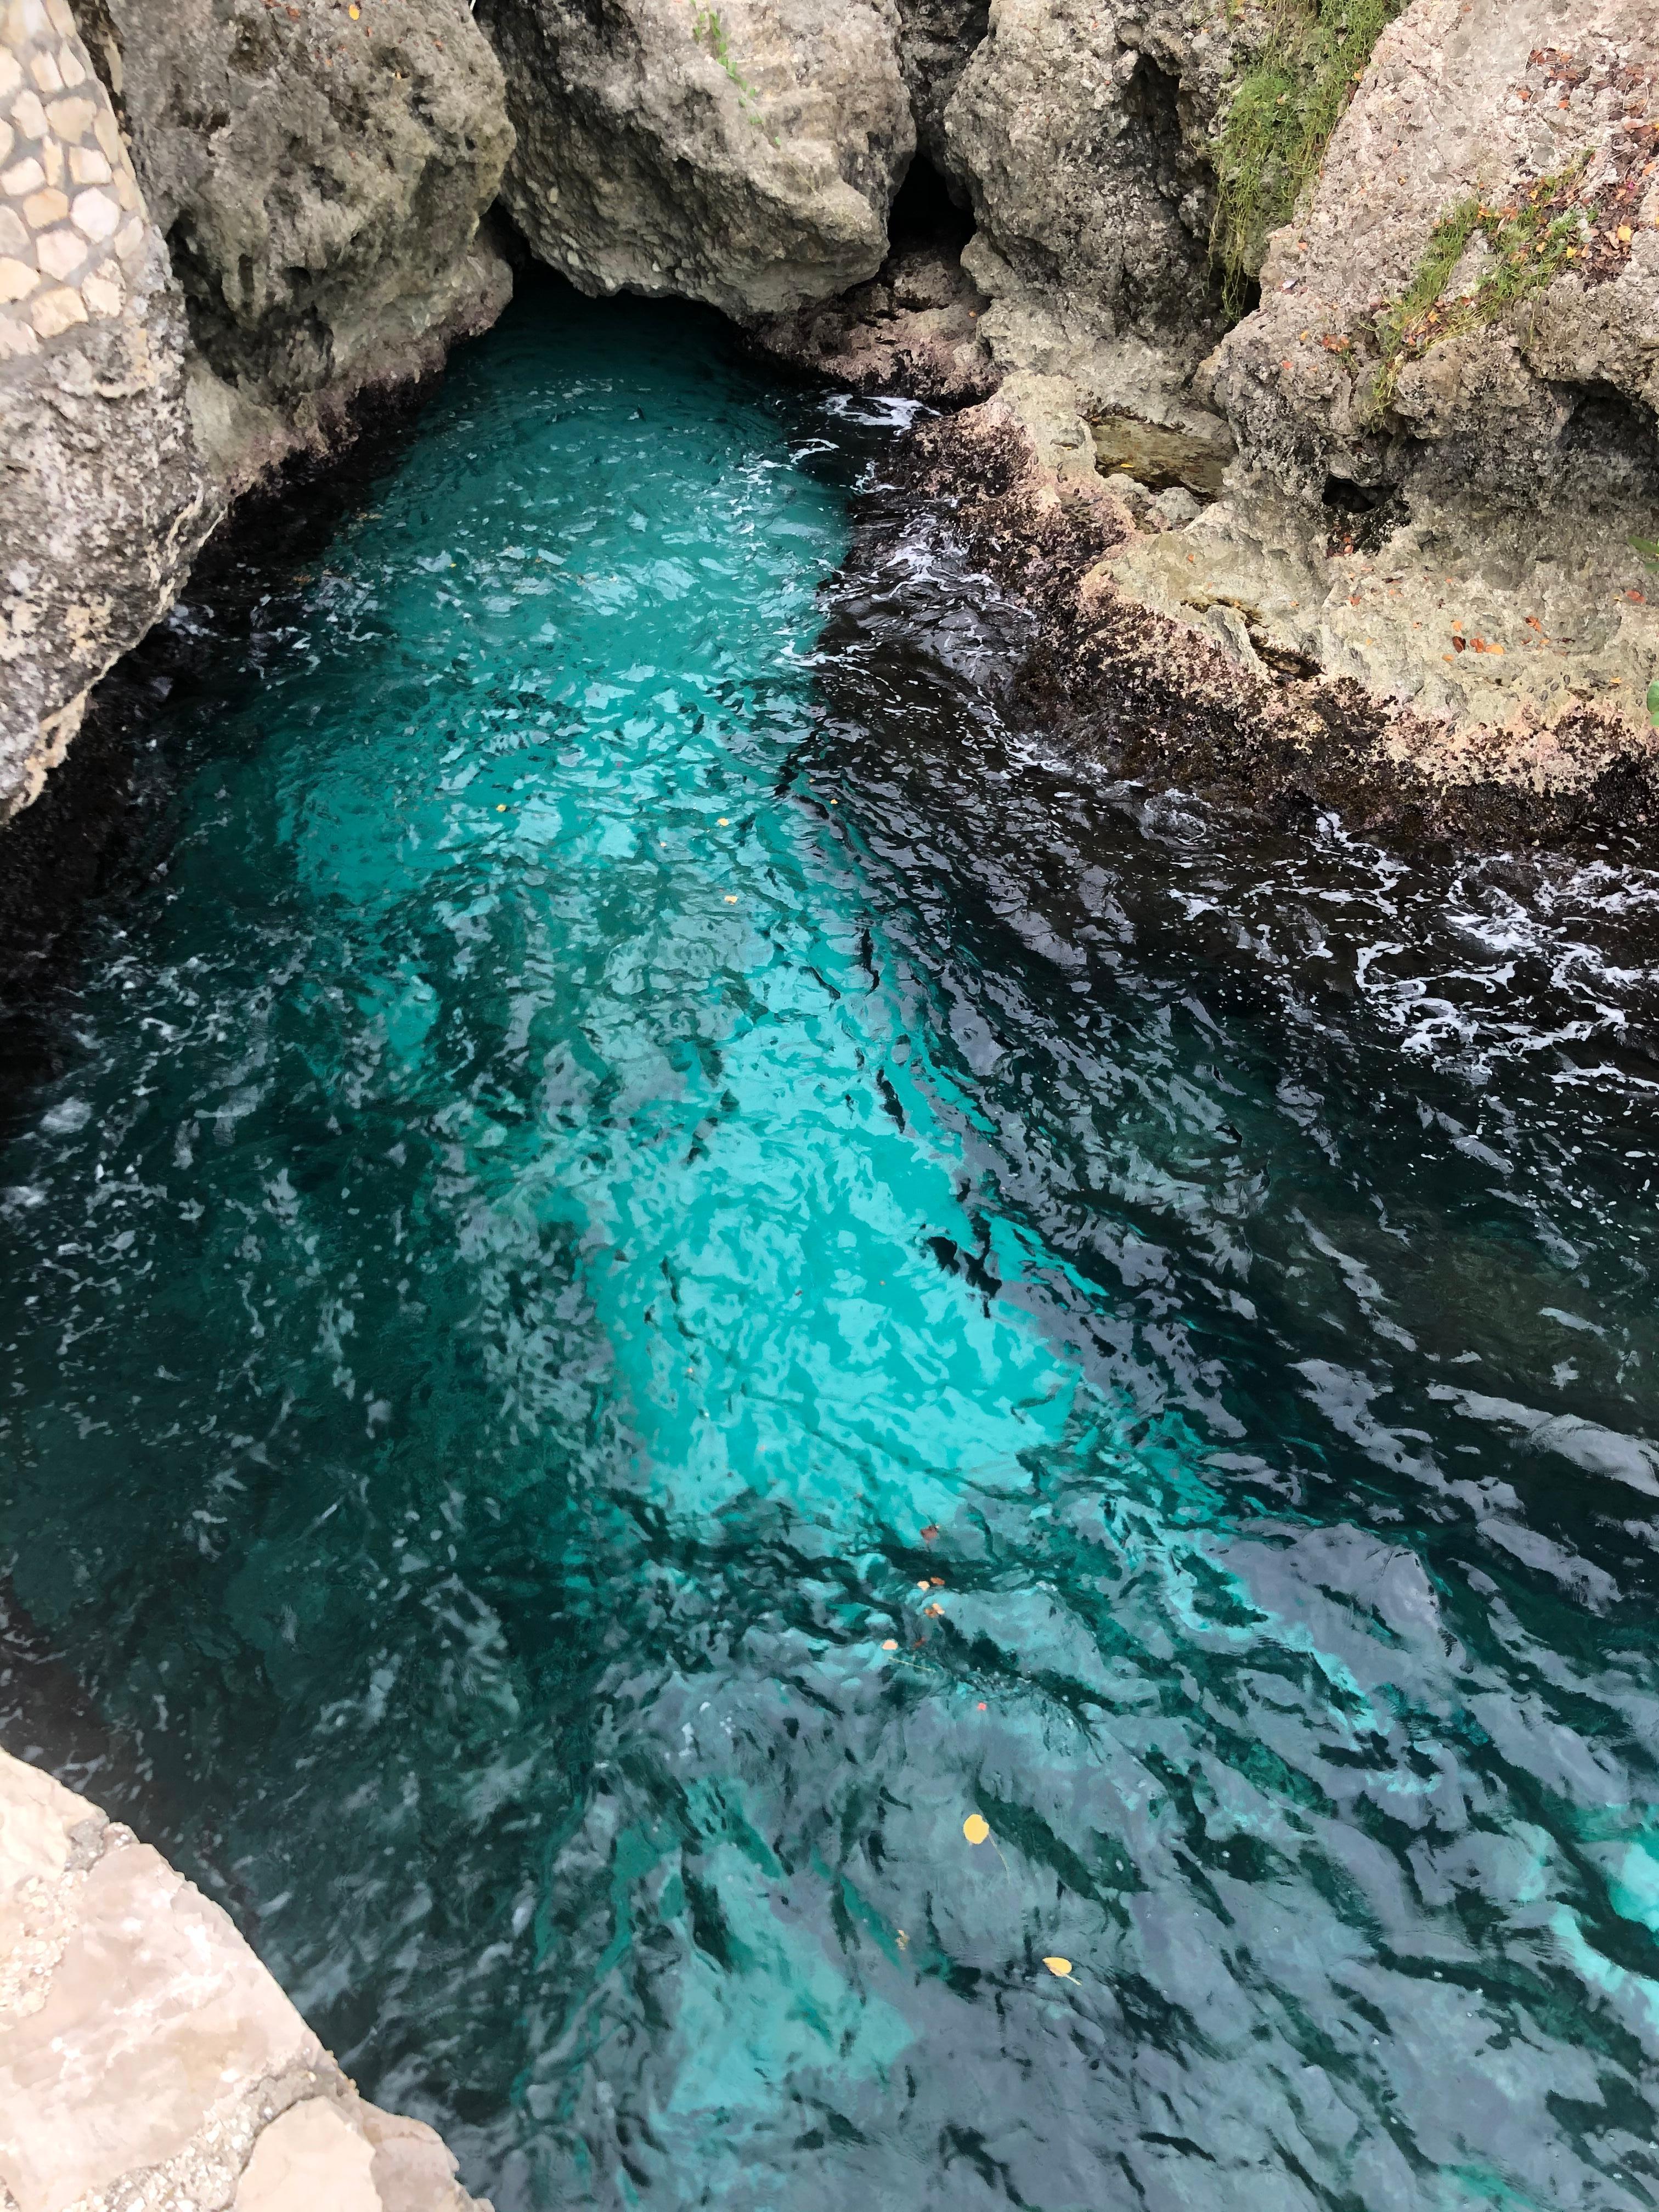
(104, 497)
(1082, 128)
(937, 41)
(146, 2056)
(746, 156)
(1383, 529)
(320, 172)
(1445, 404)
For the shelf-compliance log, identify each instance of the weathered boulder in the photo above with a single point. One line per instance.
(147, 2057)
(1083, 129)
(104, 498)
(319, 173)
(746, 156)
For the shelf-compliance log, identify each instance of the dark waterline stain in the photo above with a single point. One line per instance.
(649, 1146)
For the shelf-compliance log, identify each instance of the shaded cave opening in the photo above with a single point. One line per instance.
(929, 210)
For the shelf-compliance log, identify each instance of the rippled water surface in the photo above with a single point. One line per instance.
(659, 1261)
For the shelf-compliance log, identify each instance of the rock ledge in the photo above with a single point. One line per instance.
(148, 2061)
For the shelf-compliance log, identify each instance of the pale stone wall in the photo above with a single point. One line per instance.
(72, 236)
(148, 2061)
(104, 499)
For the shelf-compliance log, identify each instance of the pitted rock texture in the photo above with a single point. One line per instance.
(146, 2058)
(1084, 129)
(746, 154)
(1466, 101)
(1462, 546)
(937, 41)
(320, 172)
(1201, 695)
(104, 499)
(911, 332)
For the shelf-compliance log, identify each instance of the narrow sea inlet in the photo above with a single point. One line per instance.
(660, 1263)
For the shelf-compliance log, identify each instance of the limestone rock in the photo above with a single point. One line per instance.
(104, 499)
(320, 172)
(746, 154)
(1082, 128)
(1451, 523)
(1467, 103)
(912, 332)
(147, 2055)
(937, 40)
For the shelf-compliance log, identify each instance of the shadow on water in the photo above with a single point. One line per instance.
(665, 1259)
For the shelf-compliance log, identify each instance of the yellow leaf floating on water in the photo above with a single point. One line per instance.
(977, 1829)
(1060, 1967)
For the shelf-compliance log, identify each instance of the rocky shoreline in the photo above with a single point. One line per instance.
(1201, 701)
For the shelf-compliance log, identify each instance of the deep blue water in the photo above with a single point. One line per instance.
(661, 1261)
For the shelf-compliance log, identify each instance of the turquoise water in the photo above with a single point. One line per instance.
(659, 1261)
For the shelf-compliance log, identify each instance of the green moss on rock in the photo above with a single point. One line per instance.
(1279, 122)
(1531, 239)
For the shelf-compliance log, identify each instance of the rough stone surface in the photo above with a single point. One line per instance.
(104, 499)
(746, 154)
(1207, 697)
(1465, 100)
(1082, 128)
(320, 172)
(1465, 550)
(912, 331)
(148, 2061)
(937, 40)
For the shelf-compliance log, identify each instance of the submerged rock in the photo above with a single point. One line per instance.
(104, 496)
(746, 154)
(146, 2056)
(320, 174)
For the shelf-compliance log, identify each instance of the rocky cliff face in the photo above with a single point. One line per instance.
(320, 172)
(746, 154)
(938, 38)
(221, 221)
(1410, 447)
(104, 497)
(1082, 132)
(1445, 404)
(1424, 465)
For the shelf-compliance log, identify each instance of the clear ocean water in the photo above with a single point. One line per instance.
(659, 1261)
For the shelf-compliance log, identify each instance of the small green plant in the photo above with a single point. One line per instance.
(1531, 239)
(1648, 548)
(710, 32)
(1279, 122)
(1653, 703)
